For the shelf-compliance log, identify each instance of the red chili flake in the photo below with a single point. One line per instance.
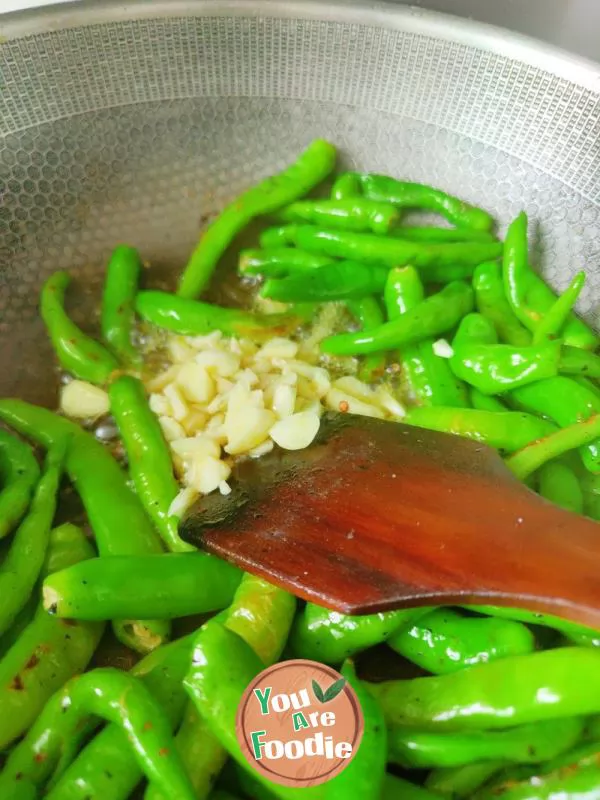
(40, 757)
(148, 726)
(164, 751)
(344, 406)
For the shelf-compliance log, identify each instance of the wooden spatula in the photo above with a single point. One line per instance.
(378, 515)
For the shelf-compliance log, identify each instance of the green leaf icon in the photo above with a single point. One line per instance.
(334, 690)
(318, 692)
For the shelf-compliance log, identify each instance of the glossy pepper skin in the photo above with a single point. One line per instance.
(367, 312)
(557, 316)
(272, 194)
(346, 186)
(492, 303)
(429, 377)
(527, 744)
(440, 235)
(20, 473)
(434, 316)
(118, 301)
(485, 402)
(559, 484)
(142, 587)
(48, 651)
(320, 634)
(529, 296)
(349, 214)
(343, 280)
(536, 618)
(116, 515)
(462, 782)
(277, 262)
(417, 195)
(566, 402)
(446, 641)
(580, 363)
(552, 684)
(149, 458)
(441, 262)
(77, 353)
(115, 697)
(497, 368)
(22, 565)
(507, 431)
(193, 318)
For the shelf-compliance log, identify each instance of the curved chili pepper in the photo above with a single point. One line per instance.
(149, 459)
(418, 195)
(441, 235)
(575, 361)
(552, 684)
(536, 618)
(48, 651)
(350, 214)
(142, 587)
(462, 782)
(527, 744)
(117, 698)
(559, 484)
(192, 318)
(320, 634)
(557, 316)
(20, 473)
(277, 262)
(343, 280)
(497, 368)
(435, 315)
(507, 431)
(346, 186)
(312, 166)
(437, 262)
(118, 314)
(529, 296)
(492, 303)
(23, 563)
(77, 353)
(368, 314)
(485, 402)
(116, 515)
(428, 376)
(445, 641)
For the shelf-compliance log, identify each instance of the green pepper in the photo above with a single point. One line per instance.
(76, 352)
(575, 361)
(485, 402)
(118, 299)
(277, 262)
(492, 303)
(559, 484)
(367, 312)
(445, 641)
(557, 316)
(536, 618)
(435, 315)
(346, 186)
(553, 684)
(459, 782)
(530, 298)
(272, 194)
(349, 214)
(344, 280)
(395, 788)
(20, 473)
(434, 235)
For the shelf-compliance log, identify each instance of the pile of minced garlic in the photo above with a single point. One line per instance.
(222, 398)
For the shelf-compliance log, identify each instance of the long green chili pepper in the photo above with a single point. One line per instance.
(162, 673)
(351, 214)
(115, 513)
(497, 368)
(367, 312)
(437, 262)
(142, 587)
(395, 788)
(446, 641)
(418, 195)
(192, 318)
(277, 262)
(575, 361)
(20, 473)
(462, 782)
(559, 484)
(346, 186)
(566, 402)
(556, 317)
(553, 684)
(150, 463)
(320, 634)
(272, 194)
(485, 402)
(529, 296)
(528, 744)
(344, 280)
(429, 377)
(435, 315)
(49, 651)
(507, 431)
(23, 563)
(536, 618)
(117, 698)
(118, 299)
(491, 301)
(536, 454)
(441, 235)
(365, 775)
(76, 352)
